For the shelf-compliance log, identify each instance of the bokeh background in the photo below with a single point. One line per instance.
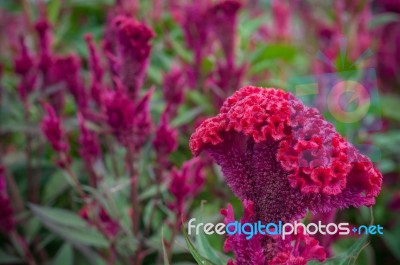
(74, 145)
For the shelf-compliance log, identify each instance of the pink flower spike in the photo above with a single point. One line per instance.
(133, 39)
(120, 112)
(173, 89)
(24, 66)
(43, 29)
(284, 156)
(165, 141)
(96, 69)
(185, 184)
(223, 21)
(89, 143)
(143, 121)
(51, 127)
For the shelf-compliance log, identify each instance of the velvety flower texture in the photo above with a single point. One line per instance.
(133, 39)
(6, 213)
(284, 156)
(51, 127)
(293, 250)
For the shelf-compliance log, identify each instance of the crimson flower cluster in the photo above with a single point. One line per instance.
(293, 250)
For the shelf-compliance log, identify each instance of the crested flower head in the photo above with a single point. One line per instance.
(7, 222)
(272, 250)
(51, 127)
(133, 39)
(284, 156)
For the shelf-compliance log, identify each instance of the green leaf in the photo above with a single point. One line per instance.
(383, 19)
(69, 226)
(348, 257)
(390, 105)
(6, 258)
(187, 117)
(58, 216)
(392, 240)
(166, 261)
(273, 52)
(196, 255)
(65, 256)
(53, 10)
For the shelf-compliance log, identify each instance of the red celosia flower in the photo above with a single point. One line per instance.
(130, 123)
(24, 66)
(143, 120)
(120, 111)
(66, 70)
(281, 17)
(45, 38)
(165, 141)
(284, 156)
(272, 250)
(185, 184)
(133, 39)
(223, 21)
(52, 129)
(7, 223)
(96, 70)
(173, 89)
(89, 143)
(196, 35)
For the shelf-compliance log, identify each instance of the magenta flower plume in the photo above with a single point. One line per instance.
(143, 120)
(43, 29)
(262, 250)
(52, 129)
(133, 39)
(284, 156)
(24, 66)
(120, 112)
(223, 21)
(185, 184)
(173, 89)
(131, 124)
(96, 70)
(165, 141)
(89, 143)
(66, 70)
(7, 222)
